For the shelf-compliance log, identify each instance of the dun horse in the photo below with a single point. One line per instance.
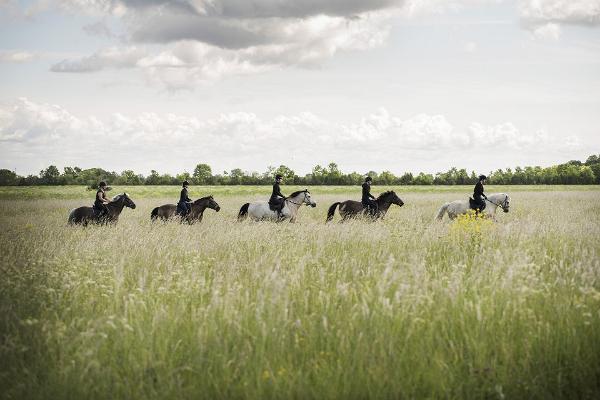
(351, 209)
(85, 215)
(168, 211)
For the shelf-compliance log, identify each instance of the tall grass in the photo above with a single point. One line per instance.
(401, 308)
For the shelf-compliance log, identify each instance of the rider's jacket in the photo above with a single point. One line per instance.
(478, 191)
(366, 193)
(276, 193)
(183, 197)
(100, 198)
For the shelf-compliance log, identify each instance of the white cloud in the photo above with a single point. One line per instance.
(545, 17)
(42, 133)
(184, 63)
(16, 56)
(194, 41)
(547, 31)
(584, 12)
(113, 57)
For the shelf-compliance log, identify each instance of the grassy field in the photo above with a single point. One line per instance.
(402, 308)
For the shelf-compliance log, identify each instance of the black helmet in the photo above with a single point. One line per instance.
(482, 177)
(368, 179)
(185, 183)
(278, 176)
(102, 184)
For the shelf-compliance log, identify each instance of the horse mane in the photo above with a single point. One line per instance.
(118, 197)
(385, 194)
(203, 198)
(296, 193)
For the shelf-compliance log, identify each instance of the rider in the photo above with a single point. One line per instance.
(277, 200)
(101, 200)
(368, 200)
(184, 200)
(478, 195)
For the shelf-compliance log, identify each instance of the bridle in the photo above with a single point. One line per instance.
(502, 205)
(302, 202)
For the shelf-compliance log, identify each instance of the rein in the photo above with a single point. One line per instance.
(502, 206)
(298, 204)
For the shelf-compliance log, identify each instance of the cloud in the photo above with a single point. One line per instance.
(43, 133)
(193, 41)
(113, 57)
(16, 56)
(99, 28)
(275, 44)
(547, 31)
(545, 18)
(576, 12)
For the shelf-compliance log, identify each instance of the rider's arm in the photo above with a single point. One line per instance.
(371, 196)
(102, 198)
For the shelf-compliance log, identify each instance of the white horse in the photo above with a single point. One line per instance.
(459, 207)
(260, 210)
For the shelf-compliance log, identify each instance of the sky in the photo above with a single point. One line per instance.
(398, 85)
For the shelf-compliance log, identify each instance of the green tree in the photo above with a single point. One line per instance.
(288, 174)
(50, 175)
(202, 174)
(8, 178)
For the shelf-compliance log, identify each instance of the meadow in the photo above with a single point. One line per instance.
(406, 307)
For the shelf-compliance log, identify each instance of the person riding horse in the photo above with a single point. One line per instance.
(101, 201)
(277, 200)
(478, 196)
(368, 200)
(184, 206)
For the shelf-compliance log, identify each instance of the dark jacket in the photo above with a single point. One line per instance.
(366, 193)
(478, 191)
(100, 198)
(276, 193)
(183, 197)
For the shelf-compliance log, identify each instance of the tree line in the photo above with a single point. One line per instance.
(572, 172)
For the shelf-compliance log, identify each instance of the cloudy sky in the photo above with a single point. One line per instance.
(403, 85)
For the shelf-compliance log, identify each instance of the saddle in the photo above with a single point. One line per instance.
(476, 206)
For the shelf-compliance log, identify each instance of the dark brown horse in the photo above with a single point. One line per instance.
(85, 215)
(351, 209)
(168, 211)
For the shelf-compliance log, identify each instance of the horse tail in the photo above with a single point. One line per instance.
(331, 211)
(441, 211)
(243, 212)
(154, 214)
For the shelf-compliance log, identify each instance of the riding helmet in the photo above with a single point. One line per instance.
(368, 179)
(278, 176)
(102, 184)
(185, 183)
(482, 177)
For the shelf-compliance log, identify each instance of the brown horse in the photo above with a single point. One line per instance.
(85, 215)
(168, 211)
(351, 209)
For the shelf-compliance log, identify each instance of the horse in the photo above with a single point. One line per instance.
(351, 208)
(260, 210)
(167, 211)
(459, 207)
(85, 215)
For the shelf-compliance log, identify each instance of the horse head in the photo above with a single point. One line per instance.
(212, 204)
(306, 199)
(208, 202)
(127, 202)
(391, 197)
